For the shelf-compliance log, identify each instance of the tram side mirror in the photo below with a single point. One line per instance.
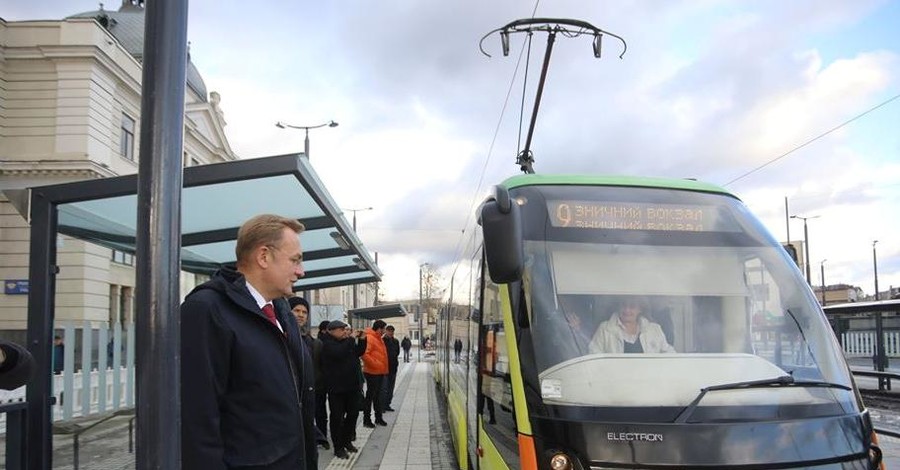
(503, 246)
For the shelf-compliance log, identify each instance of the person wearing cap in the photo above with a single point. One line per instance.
(375, 368)
(340, 373)
(242, 380)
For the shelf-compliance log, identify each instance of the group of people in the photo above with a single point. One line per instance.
(356, 372)
(255, 382)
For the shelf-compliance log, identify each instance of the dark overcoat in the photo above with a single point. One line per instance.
(243, 385)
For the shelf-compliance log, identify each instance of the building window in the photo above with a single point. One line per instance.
(126, 145)
(122, 258)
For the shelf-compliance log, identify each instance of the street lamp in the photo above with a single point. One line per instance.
(282, 125)
(875, 265)
(419, 308)
(822, 266)
(806, 243)
(355, 301)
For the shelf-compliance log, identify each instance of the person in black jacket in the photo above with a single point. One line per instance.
(312, 374)
(406, 344)
(393, 353)
(341, 371)
(242, 380)
(321, 392)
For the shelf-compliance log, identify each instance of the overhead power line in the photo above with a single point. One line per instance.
(804, 144)
(460, 245)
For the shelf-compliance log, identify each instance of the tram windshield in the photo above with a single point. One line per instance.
(642, 297)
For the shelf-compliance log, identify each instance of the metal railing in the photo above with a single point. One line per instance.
(107, 353)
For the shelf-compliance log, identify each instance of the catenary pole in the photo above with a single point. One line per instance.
(157, 288)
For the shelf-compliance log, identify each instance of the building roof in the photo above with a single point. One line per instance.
(127, 26)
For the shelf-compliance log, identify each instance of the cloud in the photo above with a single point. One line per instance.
(707, 89)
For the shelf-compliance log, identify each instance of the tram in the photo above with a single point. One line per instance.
(733, 366)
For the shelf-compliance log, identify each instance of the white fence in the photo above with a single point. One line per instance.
(108, 354)
(108, 387)
(862, 343)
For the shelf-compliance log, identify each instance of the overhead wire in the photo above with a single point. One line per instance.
(458, 251)
(804, 144)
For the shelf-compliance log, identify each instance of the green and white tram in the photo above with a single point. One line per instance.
(724, 361)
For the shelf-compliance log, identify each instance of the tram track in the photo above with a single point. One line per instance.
(884, 408)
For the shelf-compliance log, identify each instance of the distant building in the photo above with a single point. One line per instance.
(839, 294)
(70, 109)
(70, 91)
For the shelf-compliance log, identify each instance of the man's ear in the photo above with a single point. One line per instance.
(261, 256)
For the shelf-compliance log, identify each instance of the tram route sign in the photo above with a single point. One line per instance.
(633, 216)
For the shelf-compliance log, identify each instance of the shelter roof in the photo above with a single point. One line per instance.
(377, 312)
(216, 200)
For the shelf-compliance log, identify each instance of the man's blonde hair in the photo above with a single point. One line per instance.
(262, 230)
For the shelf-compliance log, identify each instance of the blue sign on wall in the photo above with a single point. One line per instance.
(15, 286)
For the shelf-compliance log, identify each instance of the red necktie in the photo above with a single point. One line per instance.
(269, 310)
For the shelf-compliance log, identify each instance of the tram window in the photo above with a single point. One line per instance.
(495, 400)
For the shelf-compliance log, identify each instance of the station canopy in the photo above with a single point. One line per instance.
(216, 200)
(377, 312)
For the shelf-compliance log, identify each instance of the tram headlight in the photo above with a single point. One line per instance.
(560, 461)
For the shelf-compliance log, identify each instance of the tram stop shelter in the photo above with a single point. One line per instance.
(370, 314)
(216, 200)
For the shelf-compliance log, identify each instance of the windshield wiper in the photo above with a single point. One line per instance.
(781, 381)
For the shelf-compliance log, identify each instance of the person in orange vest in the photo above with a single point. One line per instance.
(375, 368)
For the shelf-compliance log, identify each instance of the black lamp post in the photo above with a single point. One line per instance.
(354, 211)
(875, 265)
(419, 308)
(806, 247)
(282, 125)
(822, 267)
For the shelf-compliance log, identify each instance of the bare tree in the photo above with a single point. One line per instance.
(431, 291)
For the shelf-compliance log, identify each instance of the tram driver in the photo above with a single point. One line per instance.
(629, 331)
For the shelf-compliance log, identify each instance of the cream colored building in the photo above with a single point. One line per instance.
(70, 97)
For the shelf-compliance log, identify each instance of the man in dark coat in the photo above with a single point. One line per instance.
(341, 371)
(321, 392)
(393, 353)
(406, 344)
(242, 357)
(300, 309)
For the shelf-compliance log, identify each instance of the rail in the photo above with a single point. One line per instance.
(884, 378)
(885, 432)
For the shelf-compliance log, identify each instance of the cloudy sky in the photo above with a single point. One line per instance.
(707, 89)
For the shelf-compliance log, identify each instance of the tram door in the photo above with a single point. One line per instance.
(499, 441)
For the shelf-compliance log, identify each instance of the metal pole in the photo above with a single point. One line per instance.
(875, 265)
(419, 309)
(806, 252)
(42, 272)
(880, 358)
(375, 302)
(822, 266)
(527, 161)
(306, 143)
(355, 298)
(787, 220)
(157, 294)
